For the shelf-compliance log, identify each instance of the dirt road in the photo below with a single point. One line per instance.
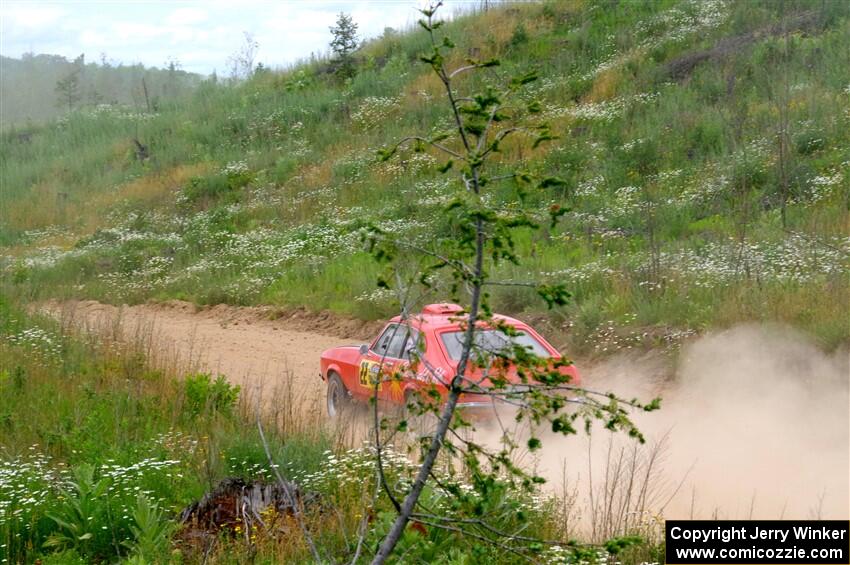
(250, 346)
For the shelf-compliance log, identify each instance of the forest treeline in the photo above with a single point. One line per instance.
(37, 88)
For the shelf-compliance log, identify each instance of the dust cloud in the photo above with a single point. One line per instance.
(755, 423)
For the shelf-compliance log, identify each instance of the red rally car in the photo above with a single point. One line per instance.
(423, 351)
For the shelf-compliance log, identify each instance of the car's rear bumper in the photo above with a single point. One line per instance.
(480, 408)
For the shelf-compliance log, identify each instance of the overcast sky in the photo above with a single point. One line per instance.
(199, 35)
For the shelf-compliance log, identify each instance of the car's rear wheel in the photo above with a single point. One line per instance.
(339, 400)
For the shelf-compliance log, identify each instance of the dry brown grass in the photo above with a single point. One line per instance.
(605, 85)
(148, 190)
(428, 83)
(48, 203)
(44, 205)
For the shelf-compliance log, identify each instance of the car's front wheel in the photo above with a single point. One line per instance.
(338, 398)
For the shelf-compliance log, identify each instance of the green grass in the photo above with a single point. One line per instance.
(254, 193)
(77, 414)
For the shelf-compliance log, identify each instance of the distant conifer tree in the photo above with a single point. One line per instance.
(343, 44)
(68, 90)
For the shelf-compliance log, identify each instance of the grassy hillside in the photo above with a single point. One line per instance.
(706, 148)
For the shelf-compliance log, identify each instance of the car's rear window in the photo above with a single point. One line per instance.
(493, 341)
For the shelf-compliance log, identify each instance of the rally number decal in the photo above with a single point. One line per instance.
(370, 374)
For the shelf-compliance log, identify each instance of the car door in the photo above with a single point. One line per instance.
(386, 360)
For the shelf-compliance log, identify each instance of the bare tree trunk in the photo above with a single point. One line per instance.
(145, 90)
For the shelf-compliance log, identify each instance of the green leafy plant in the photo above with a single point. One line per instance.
(205, 395)
(82, 513)
(151, 531)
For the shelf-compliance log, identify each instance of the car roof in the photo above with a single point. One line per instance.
(447, 315)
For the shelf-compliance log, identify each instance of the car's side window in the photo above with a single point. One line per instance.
(388, 344)
(405, 341)
(396, 342)
(411, 345)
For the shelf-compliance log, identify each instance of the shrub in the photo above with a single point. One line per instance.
(205, 395)
(519, 36)
(749, 174)
(808, 142)
(205, 189)
(225, 187)
(706, 137)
